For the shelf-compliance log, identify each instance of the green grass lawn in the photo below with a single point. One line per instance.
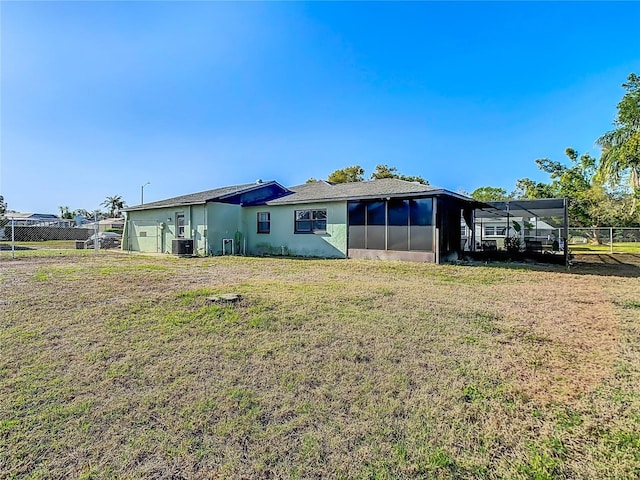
(48, 244)
(621, 247)
(119, 366)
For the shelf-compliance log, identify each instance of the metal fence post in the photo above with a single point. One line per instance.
(611, 238)
(95, 235)
(13, 239)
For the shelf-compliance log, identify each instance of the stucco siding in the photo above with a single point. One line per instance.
(223, 221)
(144, 230)
(283, 241)
(198, 228)
(153, 231)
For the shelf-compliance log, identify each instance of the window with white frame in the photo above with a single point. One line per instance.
(180, 225)
(310, 221)
(264, 222)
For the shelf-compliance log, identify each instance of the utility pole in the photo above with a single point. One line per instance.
(142, 192)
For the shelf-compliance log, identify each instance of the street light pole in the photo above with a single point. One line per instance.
(142, 193)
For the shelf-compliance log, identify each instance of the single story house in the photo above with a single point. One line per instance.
(37, 219)
(386, 218)
(497, 229)
(104, 224)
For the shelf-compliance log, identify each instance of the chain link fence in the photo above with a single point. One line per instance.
(24, 235)
(604, 240)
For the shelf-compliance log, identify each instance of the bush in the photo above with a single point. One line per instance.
(512, 244)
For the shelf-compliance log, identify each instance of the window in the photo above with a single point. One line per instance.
(376, 229)
(398, 225)
(264, 222)
(421, 231)
(492, 231)
(394, 224)
(310, 221)
(180, 225)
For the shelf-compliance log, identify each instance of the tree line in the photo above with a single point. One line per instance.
(114, 205)
(355, 173)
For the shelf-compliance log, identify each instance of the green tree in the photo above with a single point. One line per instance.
(527, 188)
(114, 204)
(385, 171)
(490, 194)
(3, 210)
(621, 146)
(65, 212)
(83, 213)
(591, 204)
(354, 173)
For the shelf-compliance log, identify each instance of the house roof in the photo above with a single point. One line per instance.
(307, 193)
(386, 187)
(32, 216)
(202, 197)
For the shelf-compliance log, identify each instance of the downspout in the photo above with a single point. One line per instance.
(125, 234)
(206, 229)
(436, 230)
(239, 224)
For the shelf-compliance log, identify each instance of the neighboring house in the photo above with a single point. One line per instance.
(540, 224)
(531, 228)
(387, 218)
(105, 224)
(37, 219)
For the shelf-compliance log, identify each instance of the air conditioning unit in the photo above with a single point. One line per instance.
(182, 246)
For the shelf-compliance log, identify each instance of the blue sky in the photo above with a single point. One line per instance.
(97, 98)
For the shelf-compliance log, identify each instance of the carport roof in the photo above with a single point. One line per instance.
(545, 207)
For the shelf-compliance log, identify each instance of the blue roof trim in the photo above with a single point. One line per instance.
(259, 195)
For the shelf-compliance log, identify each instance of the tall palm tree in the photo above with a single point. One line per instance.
(621, 146)
(620, 155)
(114, 204)
(65, 212)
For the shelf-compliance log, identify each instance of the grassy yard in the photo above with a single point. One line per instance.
(118, 366)
(618, 247)
(48, 244)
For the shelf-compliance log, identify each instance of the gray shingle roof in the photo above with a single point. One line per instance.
(195, 198)
(309, 193)
(324, 191)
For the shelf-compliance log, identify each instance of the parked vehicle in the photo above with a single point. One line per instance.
(105, 240)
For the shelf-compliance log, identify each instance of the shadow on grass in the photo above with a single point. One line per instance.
(609, 265)
(7, 247)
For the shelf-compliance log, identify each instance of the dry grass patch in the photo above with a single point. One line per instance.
(118, 366)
